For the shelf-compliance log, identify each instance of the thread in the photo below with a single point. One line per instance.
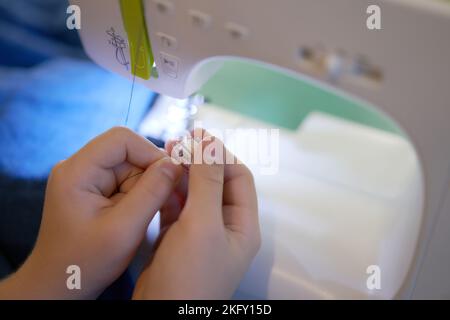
(136, 62)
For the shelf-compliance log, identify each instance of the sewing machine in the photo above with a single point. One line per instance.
(174, 46)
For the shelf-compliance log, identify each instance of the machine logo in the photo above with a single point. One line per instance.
(120, 45)
(373, 21)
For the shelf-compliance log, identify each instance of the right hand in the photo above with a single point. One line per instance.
(211, 240)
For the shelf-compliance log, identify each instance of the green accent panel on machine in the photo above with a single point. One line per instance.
(282, 100)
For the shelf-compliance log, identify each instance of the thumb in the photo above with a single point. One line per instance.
(206, 179)
(150, 193)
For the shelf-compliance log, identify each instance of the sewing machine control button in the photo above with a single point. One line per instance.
(164, 6)
(236, 31)
(167, 41)
(199, 19)
(169, 65)
(334, 65)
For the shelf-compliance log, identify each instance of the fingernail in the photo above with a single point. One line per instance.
(170, 168)
(178, 139)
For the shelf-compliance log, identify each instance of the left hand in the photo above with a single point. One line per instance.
(98, 206)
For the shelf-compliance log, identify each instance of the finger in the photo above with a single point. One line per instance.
(241, 205)
(149, 193)
(239, 192)
(239, 199)
(117, 197)
(94, 166)
(231, 170)
(170, 144)
(238, 179)
(170, 212)
(126, 176)
(239, 187)
(172, 208)
(206, 178)
(117, 146)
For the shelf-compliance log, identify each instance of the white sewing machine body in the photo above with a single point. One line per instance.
(402, 70)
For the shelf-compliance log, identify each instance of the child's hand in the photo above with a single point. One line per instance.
(209, 245)
(98, 206)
